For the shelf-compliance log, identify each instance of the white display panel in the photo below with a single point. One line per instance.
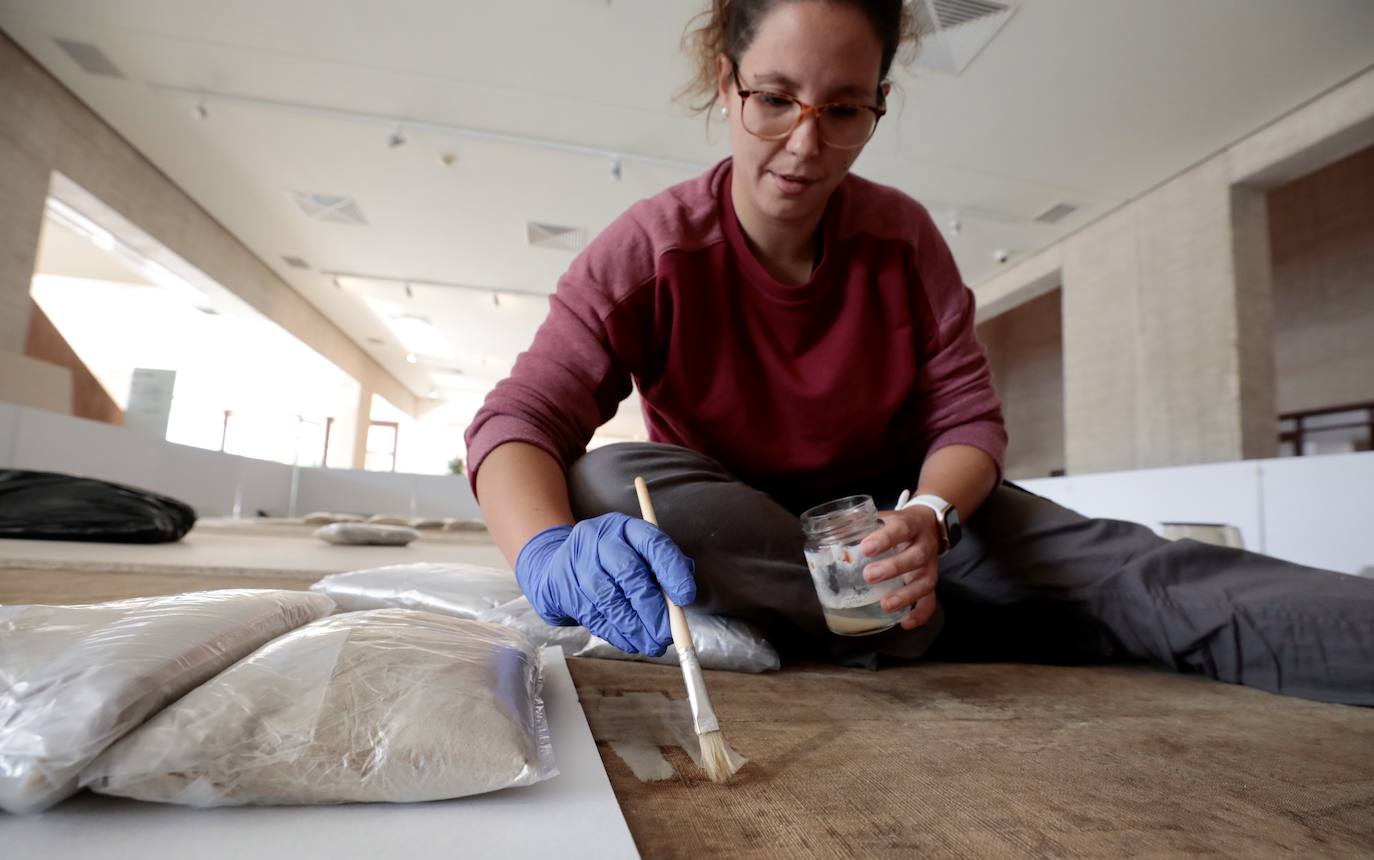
(1319, 511)
(1225, 493)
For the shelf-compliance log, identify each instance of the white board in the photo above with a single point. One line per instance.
(573, 815)
(1318, 510)
(1226, 493)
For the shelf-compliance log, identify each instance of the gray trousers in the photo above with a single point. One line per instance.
(1030, 582)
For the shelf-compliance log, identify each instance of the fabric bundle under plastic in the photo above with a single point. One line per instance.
(385, 705)
(491, 594)
(460, 590)
(74, 679)
(721, 643)
(366, 534)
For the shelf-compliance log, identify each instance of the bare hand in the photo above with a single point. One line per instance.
(915, 534)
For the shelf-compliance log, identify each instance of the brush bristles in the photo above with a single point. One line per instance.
(719, 761)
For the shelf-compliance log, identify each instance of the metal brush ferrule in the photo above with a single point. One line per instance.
(703, 716)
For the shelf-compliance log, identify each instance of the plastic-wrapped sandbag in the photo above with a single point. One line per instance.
(366, 534)
(460, 525)
(385, 705)
(74, 679)
(461, 590)
(52, 506)
(389, 520)
(721, 643)
(324, 518)
(491, 594)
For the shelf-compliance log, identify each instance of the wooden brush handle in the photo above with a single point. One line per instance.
(682, 634)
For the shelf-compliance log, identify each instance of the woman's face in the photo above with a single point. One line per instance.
(816, 52)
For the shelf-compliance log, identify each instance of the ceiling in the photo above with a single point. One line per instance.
(1086, 102)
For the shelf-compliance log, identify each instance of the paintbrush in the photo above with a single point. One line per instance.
(719, 761)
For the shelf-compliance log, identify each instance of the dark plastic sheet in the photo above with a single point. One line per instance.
(53, 506)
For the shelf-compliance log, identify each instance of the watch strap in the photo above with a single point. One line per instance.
(941, 509)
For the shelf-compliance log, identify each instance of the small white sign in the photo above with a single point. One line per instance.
(150, 401)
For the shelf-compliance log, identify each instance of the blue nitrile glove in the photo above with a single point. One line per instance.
(605, 574)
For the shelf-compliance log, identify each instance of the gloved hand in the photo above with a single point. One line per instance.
(605, 573)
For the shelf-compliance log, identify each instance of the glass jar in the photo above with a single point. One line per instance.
(852, 607)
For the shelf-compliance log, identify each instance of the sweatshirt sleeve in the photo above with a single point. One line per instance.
(955, 382)
(569, 382)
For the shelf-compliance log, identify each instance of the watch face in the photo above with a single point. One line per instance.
(953, 527)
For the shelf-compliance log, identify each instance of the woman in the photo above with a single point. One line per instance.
(799, 334)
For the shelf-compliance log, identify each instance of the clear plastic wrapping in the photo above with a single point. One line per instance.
(383, 705)
(460, 590)
(721, 643)
(74, 679)
(492, 594)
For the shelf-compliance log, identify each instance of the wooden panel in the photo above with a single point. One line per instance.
(1026, 352)
(1322, 240)
(30, 585)
(1000, 761)
(89, 398)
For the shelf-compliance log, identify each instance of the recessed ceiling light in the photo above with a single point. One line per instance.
(410, 358)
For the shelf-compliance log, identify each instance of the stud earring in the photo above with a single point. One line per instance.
(724, 112)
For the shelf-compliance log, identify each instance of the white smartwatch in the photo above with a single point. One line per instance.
(945, 514)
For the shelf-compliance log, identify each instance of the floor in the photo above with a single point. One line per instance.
(941, 760)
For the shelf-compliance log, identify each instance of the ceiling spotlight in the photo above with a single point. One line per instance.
(496, 300)
(433, 395)
(1000, 255)
(199, 111)
(410, 294)
(615, 169)
(955, 225)
(410, 358)
(448, 159)
(397, 138)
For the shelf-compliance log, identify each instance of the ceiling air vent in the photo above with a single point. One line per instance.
(295, 262)
(953, 32)
(1056, 213)
(555, 236)
(91, 59)
(329, 207)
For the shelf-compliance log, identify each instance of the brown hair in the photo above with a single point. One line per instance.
(728, 27)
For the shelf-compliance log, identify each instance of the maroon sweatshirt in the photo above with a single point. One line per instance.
(841, 385)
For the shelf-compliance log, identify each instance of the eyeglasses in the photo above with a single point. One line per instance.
(773, 116)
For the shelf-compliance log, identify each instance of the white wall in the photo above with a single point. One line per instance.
(1311, 510)
(217, 484)
(1316, 511)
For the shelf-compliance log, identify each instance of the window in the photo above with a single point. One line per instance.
(1334, 430)
(381, 446)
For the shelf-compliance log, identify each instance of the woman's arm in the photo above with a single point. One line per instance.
(523, 491)
(604, 573)
(962, 475)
